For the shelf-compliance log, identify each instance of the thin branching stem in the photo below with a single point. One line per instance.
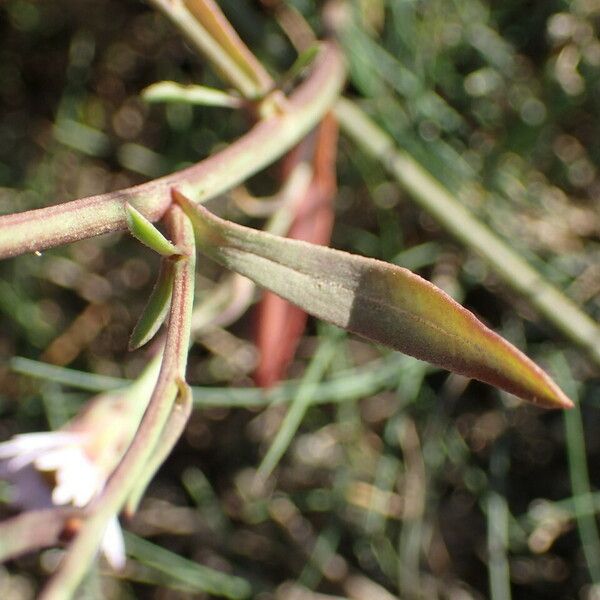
(134, 464)
(269, 139)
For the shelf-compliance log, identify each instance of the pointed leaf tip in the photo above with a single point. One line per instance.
(169, 91)
(143, 230)
(379, 301)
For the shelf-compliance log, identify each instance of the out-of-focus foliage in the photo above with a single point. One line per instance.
(418, 484)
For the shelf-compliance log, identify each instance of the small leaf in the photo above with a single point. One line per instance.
(381, 302)
(146, 233)
(155, 311)
(303, 60)
(169, 91)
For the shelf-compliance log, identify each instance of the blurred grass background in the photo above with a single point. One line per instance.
(402, 481)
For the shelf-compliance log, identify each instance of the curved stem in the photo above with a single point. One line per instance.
(131, 469)
(270, 138)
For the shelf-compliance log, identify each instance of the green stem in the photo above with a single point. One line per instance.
(563, 313)
(228, 55)
(269, 139)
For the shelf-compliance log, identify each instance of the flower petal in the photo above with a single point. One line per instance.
(25, 448)
(113, 545)
(78, 479)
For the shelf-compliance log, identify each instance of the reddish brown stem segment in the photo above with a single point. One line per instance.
(280, 324)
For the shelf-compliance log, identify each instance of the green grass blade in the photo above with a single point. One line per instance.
(197, 577)
(299, 405)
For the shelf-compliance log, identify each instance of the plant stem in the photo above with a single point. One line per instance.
(127, 475)
(207, 29)
(269, 139)
(562, 312)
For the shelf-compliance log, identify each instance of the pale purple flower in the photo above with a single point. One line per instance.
(70, 467)
(54, 469)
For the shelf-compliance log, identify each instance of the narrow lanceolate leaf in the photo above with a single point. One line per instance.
(169, 91)
(141, 229)
(155, 311)
(379, 301)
